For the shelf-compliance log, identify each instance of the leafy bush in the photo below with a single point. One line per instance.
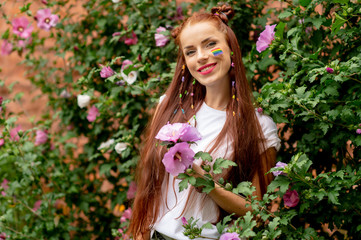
(54, 176)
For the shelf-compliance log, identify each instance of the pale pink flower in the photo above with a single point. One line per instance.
(93, 114)
(21, 27)
(178, 131)
(41, 137)
(279, 172)
(116, 34)
(132, 76)
(24, 43)
(178, 158)
(358, 131)
(132, 190)
(160, 39)
(106, 72)
(5, 186)
(37, 205)
(45, 19)
(3, 236)
(291, 198)
(230, 236)
(260, 110)
(6, 47)
(2, 142)
(131, 41)
(83, 100)
(126, 215)
(14, 133)
(125, 64)
(265, 38)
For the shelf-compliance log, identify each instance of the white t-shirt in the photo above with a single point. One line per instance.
(200, 206)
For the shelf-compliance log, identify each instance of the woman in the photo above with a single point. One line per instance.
(209, 90)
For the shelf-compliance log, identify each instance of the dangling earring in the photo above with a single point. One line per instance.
(233, 96)
(181, 88)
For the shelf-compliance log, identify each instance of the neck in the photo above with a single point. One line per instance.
(218, 97)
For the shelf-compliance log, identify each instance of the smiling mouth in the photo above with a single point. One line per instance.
(207, 68)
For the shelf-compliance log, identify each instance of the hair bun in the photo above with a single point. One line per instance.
(225, 12)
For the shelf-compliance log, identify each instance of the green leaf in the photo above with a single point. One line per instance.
(220, 164)
(204, 156)
(333, 197)
(281, 182)
(186, 180)
(245, 188)
(223, 224)
(280, 29)
(207, 226)
(305, 3)
(338, 23)
(208, 185)
(284, 14)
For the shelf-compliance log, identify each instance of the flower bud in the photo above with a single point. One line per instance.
(229, 187)
(189, 171)
(207, 168)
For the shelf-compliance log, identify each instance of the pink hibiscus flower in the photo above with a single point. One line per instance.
(160, 39)
(178, 131)
(131, 41)
(265, 38)
(14, 133)
(6, 48)
(41, 137)
(230, 236)
(126, 215)
(93, 114)
(280, 172)
(45, 19)
(21, 27)
(291, 198)
(106, 72)
(37, 205)
(2, 142)
(132, 190)
(178, 158)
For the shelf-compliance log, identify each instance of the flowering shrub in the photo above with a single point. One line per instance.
(71, 175)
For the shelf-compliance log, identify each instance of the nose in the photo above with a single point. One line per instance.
(202, 55)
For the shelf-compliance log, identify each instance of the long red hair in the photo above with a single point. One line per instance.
(243, 127)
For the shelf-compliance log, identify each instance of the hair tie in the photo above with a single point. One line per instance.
(217, 13)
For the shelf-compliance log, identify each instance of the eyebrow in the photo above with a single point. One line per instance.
(205, 40)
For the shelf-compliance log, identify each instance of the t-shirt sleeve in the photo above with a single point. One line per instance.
(269, 129)
(161, 98)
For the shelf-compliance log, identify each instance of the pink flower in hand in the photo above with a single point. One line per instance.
(14, 133)
(126, 215)
(291, 198)
(160, 39)
(106, 72)
(230, 236)
(41, 137)
(45, 19)
(178, 158)
(265, 38)
(93, 114)
(21, 27)
(178, 131)
(131, 41)
(132, 190)
(6, 48)
(37, 205)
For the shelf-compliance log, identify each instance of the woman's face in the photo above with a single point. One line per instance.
(197, 42)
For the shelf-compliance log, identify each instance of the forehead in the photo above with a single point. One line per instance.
(197, 32)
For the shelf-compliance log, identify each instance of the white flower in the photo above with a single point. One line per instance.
(115, 1)
(120, 147)
(106, 144)
(83, 100)
(132, 76)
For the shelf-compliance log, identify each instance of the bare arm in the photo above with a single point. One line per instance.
(236, 204)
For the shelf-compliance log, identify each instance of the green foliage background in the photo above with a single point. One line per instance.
(318, 112)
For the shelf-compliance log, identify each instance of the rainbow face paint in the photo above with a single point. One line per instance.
(217, 51)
